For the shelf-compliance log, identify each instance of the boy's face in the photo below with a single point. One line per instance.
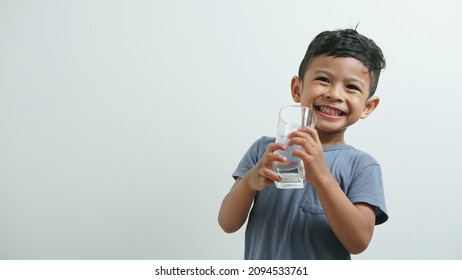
(337, 88)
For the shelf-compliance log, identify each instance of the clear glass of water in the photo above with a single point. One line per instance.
(291, 118)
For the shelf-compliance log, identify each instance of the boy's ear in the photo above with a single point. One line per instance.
(296, 89)
(371, 104)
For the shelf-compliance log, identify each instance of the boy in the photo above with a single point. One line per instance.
(334, 215)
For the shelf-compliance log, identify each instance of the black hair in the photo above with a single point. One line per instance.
(346, 43)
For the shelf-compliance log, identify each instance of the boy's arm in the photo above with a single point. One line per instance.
(353, 224)
(236, 204)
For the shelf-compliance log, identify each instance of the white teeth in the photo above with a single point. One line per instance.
(330, 111)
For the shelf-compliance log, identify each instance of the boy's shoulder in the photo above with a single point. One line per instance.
(266, 140)
(262, 143)
(346, 152)
(350, 155)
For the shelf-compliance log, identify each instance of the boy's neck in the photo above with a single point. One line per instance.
(331, 139)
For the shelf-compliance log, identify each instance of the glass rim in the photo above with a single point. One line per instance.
(307, 112)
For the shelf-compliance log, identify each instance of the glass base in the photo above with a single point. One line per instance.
(291, 185)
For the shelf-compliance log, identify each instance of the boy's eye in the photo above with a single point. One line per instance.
(353, 87)
(323, 79)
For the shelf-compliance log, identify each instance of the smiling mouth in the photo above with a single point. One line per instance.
(329, 111)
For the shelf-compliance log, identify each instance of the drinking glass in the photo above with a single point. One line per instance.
(291, 118)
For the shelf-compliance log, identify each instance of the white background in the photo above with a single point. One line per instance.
(122, 121)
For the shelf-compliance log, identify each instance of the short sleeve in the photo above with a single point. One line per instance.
(252, 156)
(367, 187)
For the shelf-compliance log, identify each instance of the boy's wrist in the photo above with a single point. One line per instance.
(247, 184)
(324, 181)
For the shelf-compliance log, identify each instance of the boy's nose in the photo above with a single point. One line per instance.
(334, 94)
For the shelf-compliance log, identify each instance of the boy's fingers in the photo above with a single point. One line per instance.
(302, 139)
(270, 154)
(303, 143)
(275, 146)
(270, 175)
(304, 131)
(276, 157)
(313, 133)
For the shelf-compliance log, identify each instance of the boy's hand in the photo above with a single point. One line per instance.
(262, 174)
(311, 153)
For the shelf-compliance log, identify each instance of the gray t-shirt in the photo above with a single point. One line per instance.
(291, 224)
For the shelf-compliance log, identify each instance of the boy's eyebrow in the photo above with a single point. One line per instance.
(357, 81)
(322, 71)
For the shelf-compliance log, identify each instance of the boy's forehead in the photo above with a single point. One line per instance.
(334, 63)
